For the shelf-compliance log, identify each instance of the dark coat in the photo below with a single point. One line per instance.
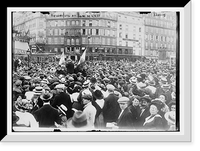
(143, 116)
(135, 110)
(154, 123)
(111, 109)
(46, 116)
(125, 121)
(63, 98)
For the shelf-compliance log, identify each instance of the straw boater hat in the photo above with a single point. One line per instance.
(79, 120)
(38, 90)
(133, 80)
(27, 77)
(86, 84)
(165, 86)
(62, 108)
(110, 87)
(60, 86)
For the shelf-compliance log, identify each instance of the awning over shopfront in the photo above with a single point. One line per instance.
(21, 47)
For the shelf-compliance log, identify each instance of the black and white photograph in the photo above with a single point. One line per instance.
(94, 71)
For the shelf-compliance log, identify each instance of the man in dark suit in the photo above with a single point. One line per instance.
(111, 107)
(125, 119)
(62, 98)
(47, 115)
(145, 101)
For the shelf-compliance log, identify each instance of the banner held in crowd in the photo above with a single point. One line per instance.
(62, 59)
(82, 58)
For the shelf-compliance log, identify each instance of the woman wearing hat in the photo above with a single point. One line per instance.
(21, 114)
(154, 122)
(135, 109)
(170, 116)
(98, 104)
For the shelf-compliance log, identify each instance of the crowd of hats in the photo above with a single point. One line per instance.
(109, 75)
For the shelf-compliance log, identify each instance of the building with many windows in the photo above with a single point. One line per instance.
(130, 34)
(32, 25)
(73, 32)
(105, 35)
(160, 35)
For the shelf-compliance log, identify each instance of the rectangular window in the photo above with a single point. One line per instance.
(49, 41)
(83, 23)
(62, 40)
(108, 41)
(56, 32)
(84, 40)
(59, 32)
(108, 32)
(94, 23)
(87, 23)
(90, 23)
(97, 31)
(108, 23)
(103, 41)
(90, 31)
(68, 41)
(77, 42)
(55, 40)
(83, 32)
(77, 23)
(52, 23)
(120, 26)
(126, 27)
(72, 41)
(73, 22)
(56, 49)
(58, 23)
(120, 35)
(120, 43)
(126, 36)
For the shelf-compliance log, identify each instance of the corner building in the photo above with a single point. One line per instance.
(160, 35)
(72, 32)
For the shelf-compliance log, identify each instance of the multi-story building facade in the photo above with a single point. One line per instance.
(72, 31)
(130, 34)
(160, 35)
(32, 25)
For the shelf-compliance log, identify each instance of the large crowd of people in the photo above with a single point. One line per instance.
(100, 95)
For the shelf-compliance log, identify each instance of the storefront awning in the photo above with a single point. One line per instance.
(21, 47)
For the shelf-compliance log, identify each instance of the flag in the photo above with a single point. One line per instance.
(62, 59)
(82, 58)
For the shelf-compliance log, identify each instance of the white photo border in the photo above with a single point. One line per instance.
(185, 95)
